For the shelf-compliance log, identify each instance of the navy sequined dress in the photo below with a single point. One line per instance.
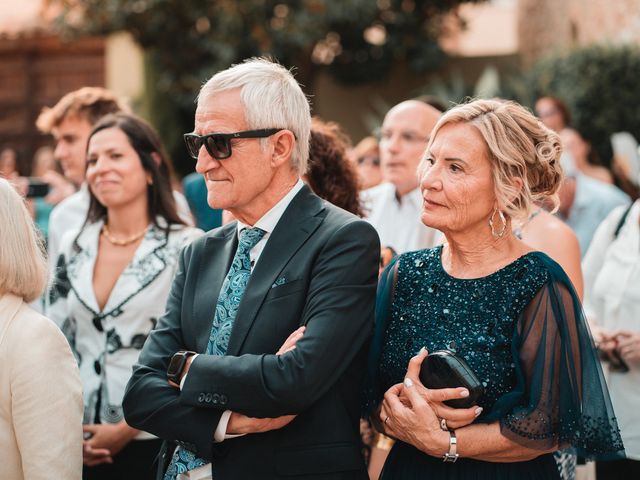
(522, 331)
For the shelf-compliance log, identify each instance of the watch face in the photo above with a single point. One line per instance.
(175, 366)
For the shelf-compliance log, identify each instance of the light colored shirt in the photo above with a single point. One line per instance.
(611, 270)
(397, 220)
(267, 223)
(593, 201)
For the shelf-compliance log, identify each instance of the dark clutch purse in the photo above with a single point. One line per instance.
(444, 369)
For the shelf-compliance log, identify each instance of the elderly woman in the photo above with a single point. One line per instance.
(40, 390)
(112, 283)
(507, 310)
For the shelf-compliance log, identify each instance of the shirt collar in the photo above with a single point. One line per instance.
(270, 219)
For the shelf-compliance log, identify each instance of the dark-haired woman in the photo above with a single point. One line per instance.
(112, 281)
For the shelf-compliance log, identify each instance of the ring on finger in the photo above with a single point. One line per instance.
(443, 424)
(386, 419)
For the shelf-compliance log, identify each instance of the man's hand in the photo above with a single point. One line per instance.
(241, 424)
(106, 441)
(628, 345)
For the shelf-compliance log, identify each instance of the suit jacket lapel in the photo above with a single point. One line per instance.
(296, 225)
(215, 261)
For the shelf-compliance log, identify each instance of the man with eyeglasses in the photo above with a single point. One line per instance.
(394, 206)
(255, 370)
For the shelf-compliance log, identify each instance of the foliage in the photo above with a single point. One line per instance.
(189, 40)
(598, 84)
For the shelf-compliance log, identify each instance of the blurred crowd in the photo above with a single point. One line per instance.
(113, 219)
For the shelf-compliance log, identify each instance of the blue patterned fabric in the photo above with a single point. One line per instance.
(231, 293)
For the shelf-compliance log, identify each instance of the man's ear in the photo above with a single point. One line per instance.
(283, 143)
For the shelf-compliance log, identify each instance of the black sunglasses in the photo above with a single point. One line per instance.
(219, 144)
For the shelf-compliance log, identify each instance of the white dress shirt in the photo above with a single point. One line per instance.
(397, 219)
(612, 301)
(267, 223)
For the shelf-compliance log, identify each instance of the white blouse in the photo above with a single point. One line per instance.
(107, 342)
(611, 270)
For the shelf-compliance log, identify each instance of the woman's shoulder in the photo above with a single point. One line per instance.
(31, 331)
(420, 258)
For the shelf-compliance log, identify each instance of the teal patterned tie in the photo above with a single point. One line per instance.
(231, 293)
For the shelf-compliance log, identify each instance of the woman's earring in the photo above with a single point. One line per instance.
(503, 230)
(149, 180)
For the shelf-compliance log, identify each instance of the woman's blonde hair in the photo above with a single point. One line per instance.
(518, 145)
(23, 266)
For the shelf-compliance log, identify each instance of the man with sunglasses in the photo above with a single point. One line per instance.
(256, 367)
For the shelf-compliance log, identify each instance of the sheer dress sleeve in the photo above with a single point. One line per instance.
(561, 398)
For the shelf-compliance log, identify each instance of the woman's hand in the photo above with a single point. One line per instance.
(454, 417)
(412, 412)
(106, 441)
(241, 424)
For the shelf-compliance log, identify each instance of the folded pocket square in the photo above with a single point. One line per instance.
(278, 282)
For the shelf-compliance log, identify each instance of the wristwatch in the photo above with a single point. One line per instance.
(452, 454)
(177, 363)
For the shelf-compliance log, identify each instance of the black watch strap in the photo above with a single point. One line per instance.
(177, 363)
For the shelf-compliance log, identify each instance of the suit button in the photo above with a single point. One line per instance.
(223, 399)
(207, 398)
(216, 399)
(201, 397)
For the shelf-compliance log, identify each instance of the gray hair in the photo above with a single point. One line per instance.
(23, 267)
(271, 98)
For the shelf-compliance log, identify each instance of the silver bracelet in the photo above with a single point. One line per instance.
(452, 454)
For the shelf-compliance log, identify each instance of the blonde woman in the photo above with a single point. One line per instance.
(40, 390)
(509, 311)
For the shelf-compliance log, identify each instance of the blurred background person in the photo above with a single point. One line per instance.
(8, 163)
(330, 173)
(367, 159)
(585, 157)
(553, 112)
(112, 282)
(70, 121)
(43, 167)
(585, 202)
(40, 389)
(612, 304)
(394, 206)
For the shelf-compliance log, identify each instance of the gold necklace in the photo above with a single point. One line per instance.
(122, 243)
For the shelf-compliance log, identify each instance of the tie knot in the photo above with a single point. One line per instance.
(249, 237)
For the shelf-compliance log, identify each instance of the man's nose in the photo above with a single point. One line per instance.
(205, 161)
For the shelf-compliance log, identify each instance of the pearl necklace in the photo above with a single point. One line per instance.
(122, 243)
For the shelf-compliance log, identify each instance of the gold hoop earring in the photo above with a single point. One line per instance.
(503, 230)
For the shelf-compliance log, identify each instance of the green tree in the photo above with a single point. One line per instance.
(187, 41)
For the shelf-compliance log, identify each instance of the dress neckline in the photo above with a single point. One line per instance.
(517, 261)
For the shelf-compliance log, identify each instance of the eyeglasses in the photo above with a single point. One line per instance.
(219, 144)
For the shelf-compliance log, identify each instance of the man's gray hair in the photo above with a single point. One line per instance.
(272, 98)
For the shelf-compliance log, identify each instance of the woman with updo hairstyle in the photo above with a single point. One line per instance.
(111, 284)
(509, 312)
